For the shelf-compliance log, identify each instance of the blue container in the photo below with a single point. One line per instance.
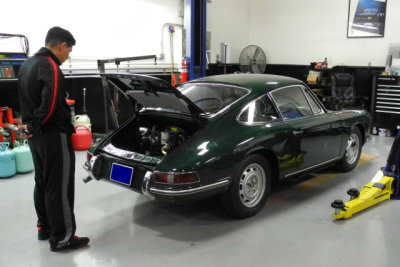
(23, 157)
(7, 161)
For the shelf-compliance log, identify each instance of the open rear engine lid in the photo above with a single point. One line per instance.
(153, 93)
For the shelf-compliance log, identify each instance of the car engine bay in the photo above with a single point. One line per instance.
(153, 137)
(157, 142)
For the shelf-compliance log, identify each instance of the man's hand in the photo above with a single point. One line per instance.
(23, 132)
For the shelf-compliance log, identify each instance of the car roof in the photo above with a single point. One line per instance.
(257, 83)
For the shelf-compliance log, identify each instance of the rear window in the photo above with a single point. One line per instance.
(151, 93)
(162, 100)
(211, 98)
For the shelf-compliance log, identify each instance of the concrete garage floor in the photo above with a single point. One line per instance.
(296, 227)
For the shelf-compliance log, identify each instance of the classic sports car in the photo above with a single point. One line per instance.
(227, 134)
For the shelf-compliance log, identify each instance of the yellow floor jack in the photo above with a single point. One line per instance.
(384, 185)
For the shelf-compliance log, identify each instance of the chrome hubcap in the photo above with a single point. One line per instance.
(353, 146)
(252, 185)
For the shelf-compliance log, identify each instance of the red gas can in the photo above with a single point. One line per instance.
(82, 138)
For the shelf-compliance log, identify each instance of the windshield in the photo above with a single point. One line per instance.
(211, 98)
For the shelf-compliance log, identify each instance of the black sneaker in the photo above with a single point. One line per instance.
(43, 233)
(75, 243)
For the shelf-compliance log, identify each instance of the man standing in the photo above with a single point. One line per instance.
(47, 119)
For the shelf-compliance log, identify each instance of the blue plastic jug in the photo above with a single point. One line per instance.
(7, 161)
(23, 157)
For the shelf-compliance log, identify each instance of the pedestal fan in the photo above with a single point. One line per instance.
(252, 59)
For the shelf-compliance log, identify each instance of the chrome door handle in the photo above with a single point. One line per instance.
(299, 132)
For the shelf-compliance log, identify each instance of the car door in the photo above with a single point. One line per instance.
(316, 133)
(263, 127)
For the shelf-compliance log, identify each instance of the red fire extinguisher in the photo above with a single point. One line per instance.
(184, 70)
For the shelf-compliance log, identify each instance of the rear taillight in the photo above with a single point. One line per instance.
(89, 156)
(175, 178)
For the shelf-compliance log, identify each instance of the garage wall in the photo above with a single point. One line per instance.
(102, 28)
(303, 31)
(228, 22)
(290, 32)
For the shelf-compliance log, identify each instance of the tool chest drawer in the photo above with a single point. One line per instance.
(385, 102)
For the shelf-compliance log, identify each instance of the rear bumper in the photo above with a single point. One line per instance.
(178, 195)
(191, 191)
(173, 194)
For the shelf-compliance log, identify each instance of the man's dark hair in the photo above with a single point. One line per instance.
(57, 35)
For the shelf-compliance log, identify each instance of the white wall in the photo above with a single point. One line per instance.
(290, 32)
(228, 22)
(102, 28)
(304, 31)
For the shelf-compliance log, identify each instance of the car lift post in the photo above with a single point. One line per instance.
(195, 31)
(384, 185)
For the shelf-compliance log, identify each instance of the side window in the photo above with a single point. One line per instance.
(292, 103)
(260, 110)
(316, 108)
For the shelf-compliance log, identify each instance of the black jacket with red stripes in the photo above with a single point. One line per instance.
(42, 95)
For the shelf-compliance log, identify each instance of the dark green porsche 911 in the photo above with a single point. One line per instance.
(231, 135)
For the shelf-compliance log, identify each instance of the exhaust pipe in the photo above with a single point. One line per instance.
(87, 179)
(146, 185)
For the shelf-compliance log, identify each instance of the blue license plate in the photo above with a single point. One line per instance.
(121, 174)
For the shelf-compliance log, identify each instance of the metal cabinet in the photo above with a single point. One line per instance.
(10, 64)
(385, 102)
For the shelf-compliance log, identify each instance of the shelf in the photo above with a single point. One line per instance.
(12, 59)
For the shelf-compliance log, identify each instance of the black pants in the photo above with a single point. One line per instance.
(54, 160)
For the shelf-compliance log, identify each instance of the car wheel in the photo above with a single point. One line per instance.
(249, 189)
(352, 153)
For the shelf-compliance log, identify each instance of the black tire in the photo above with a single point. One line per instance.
(249, 189)
(352, 153)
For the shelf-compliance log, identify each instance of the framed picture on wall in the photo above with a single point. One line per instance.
(366, 18)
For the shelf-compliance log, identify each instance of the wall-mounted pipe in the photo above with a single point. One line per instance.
(162, 55)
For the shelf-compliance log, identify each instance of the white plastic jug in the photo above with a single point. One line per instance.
(23, 157)
(83, 120)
